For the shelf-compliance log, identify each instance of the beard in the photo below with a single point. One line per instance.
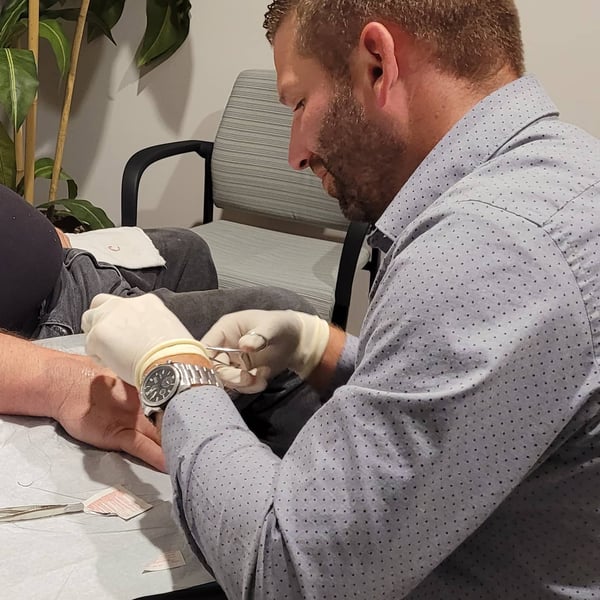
(361, 157)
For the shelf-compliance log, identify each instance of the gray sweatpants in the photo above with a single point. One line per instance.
(188, 287)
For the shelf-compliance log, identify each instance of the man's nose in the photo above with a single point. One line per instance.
(298, 154)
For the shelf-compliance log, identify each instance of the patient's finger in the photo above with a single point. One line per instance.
(141, 446)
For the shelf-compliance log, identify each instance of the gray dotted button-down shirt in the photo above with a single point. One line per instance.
(460, 459)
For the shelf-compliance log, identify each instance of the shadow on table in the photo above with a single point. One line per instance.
(158, 525)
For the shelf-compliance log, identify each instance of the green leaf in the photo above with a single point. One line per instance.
(9, 18)
(7, 159)
(72, 14)
(18, 83)
(18, 30)
(43, 170)
(84, 211)
(167, 27)
(107, 11)
(51, 30)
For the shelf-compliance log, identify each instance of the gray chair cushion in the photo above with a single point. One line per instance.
(245, 255)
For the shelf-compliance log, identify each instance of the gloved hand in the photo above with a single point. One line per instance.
(129, 334)
(271, 341)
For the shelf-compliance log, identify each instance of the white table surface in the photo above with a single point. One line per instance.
(81, 556)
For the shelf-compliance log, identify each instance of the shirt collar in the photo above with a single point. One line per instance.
(473, 140)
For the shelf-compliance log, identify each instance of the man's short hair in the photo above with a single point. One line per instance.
(471, 39)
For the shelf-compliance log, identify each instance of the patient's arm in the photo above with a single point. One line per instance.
(88, 400)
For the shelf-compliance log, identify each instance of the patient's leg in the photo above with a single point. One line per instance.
(189, 263)
(277, 414)
(199, 310)
(189, 267)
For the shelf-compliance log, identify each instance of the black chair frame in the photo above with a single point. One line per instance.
(353, 241)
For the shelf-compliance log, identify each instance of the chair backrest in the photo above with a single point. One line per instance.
(249, 164)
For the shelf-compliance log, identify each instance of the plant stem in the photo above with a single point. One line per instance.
(19, 156)
(31, 121)
(19, 143)
(64, 118)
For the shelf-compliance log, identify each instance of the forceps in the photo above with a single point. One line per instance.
(243, 355)
(226, 350)
(37, 511)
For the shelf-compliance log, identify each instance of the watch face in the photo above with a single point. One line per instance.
(160, 385)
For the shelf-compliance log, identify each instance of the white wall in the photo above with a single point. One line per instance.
(562, 47)
(116, 114)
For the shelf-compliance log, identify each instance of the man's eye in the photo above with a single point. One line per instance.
(299, 105)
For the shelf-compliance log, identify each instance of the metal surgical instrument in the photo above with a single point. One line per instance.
(37, 511)
(224, 349)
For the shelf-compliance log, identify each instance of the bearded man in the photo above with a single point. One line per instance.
(458, 454)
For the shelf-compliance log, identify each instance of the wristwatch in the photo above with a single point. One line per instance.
(166, 380)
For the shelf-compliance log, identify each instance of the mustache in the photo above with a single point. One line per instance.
(318, 164)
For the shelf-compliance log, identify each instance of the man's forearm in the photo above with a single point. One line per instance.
(36, 380)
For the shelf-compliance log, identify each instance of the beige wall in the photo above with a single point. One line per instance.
(116, 114)
(562, 46)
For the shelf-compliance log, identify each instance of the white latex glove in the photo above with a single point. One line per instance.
(129, 334)
(272, 341)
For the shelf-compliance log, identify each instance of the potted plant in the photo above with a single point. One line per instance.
(22, 24)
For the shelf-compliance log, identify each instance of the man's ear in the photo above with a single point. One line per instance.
(376, 62)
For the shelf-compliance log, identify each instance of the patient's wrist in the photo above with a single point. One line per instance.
(69, 378)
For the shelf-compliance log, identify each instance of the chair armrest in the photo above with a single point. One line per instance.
(142, 159)
(353, 242)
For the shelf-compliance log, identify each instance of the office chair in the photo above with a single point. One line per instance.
(246, 174)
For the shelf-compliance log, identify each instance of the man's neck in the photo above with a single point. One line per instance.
(439, 101)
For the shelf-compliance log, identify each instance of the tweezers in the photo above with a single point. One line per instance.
(224, 349)
(37, 511)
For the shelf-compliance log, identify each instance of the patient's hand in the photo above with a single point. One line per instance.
(104, 411)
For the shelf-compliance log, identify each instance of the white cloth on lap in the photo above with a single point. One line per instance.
(127, 247)
(73, 344)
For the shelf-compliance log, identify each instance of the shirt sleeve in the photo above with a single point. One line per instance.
(458, 391)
